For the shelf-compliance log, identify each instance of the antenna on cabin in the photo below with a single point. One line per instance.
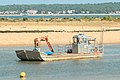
(101, 46)
(83, 29)
(101, 39)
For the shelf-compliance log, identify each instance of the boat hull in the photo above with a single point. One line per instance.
(27, 55)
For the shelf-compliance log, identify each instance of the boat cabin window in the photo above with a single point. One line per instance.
(85, 40)
(80, 40)
(75, 40)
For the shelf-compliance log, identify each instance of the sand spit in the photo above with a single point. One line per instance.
(26, 39)
(63, 37)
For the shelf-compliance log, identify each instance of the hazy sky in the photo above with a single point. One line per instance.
(7, 2)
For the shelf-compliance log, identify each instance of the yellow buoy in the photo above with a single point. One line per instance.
(22, 74)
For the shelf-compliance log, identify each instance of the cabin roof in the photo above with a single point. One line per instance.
(80, 35)
(84, 36)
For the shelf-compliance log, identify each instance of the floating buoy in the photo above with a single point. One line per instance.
(22, 75)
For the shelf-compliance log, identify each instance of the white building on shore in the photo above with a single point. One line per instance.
(71, 11)
(31, 11)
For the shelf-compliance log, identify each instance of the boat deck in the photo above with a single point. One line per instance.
(66, 56)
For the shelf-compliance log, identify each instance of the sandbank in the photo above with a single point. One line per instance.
(26, 39)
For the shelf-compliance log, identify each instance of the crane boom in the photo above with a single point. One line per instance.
(37, 40)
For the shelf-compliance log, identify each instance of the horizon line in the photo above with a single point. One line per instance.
(57, 3)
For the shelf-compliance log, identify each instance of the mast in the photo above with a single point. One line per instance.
(101, 46)
(101, 38)
(83, 29)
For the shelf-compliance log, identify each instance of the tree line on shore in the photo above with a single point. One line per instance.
(92, 8)
(105, 18)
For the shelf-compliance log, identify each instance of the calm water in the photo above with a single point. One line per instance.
(61, 16)
(106, 68)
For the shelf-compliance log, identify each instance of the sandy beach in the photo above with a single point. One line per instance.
(26, 39)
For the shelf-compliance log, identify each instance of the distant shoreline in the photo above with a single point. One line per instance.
(57, 14)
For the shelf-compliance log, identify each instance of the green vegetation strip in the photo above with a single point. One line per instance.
(26, 31)
(65, 19)
(42, 31)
